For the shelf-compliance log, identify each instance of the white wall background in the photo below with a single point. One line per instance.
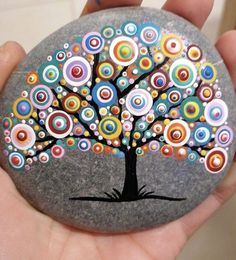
(30, 21)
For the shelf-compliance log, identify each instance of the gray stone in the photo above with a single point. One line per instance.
(117, 190)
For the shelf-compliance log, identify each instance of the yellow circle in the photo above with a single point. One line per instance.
(166, 45)
(16, 113)
(214, 76)
(112, 135)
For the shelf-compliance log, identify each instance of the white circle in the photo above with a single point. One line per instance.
(145, 96)
(186, 127)
(26, 144)
(135, 50)
(79, 82)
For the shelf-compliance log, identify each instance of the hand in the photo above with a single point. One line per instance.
(28, 234)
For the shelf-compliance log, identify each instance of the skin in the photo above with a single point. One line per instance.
(28, 234)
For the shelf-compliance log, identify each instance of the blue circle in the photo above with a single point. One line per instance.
(99, 100)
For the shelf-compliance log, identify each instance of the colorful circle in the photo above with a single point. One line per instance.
(93, 43)
(16, 160)
(57, 151)
(145, 64)
(110, 127)
(161, 108)
(202, 134)
(149, 34)
(97, 148)
(177, 133)
(22, 108)
(208, 73)
(216, 112)
(41, 97)
(216, 160)
(194, 53)
(84, 145)
(23, 136)
(205, 93)
(71, 103)
(59, 124)
(154, 146)
(104, 94)
(130, 28)
(159, 80)
(87, 115)
(106, 70)
(224, 136)
(139, 102)
(171, 46)
(191, 109)
(77, 71)
(175, 96)
(123, 51)
(49, 74)
(108, 32)
(183, 73)
(6, 123)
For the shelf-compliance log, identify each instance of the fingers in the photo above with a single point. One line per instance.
(226, 46)
(11, 53)
(195, 11)
(96, 5)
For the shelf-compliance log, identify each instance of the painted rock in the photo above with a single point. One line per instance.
(121, 120)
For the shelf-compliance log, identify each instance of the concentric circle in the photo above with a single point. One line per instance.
(191, 109)
(57, 151)
(104, 94)
(216, 112)
(174, 96)
(23, 136)
(183, 73)
(177, 133)
(110, 127)
(154, 146)
(161, 108)
(149, 34)
(108, 32)
(49, 74)
(16, 160)
(145, 64)
(84, 145)
(123, 51)
(77, 71)
(139, 102)
(205, 93)
(71, 103)
(6, 123)
(216, 160)
(93, 43)
(208, 72)
(106, 70)
(130, 28)
(159, 80)
(224, 136)
(171, 45)
(194, 53)
(87, 115)
(59, 124)
(41, 97)
(22, 108)
(202, 134)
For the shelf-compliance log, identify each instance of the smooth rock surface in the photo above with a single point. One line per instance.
(122, 120)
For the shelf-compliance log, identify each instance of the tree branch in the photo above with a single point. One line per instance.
(131, 86)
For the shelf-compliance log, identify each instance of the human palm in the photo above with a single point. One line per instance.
(28, 234)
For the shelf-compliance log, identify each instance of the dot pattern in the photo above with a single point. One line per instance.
(137, 88)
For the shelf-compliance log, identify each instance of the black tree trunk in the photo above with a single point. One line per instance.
(130, 189)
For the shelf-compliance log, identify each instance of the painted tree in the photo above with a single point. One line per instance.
(125, 92)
